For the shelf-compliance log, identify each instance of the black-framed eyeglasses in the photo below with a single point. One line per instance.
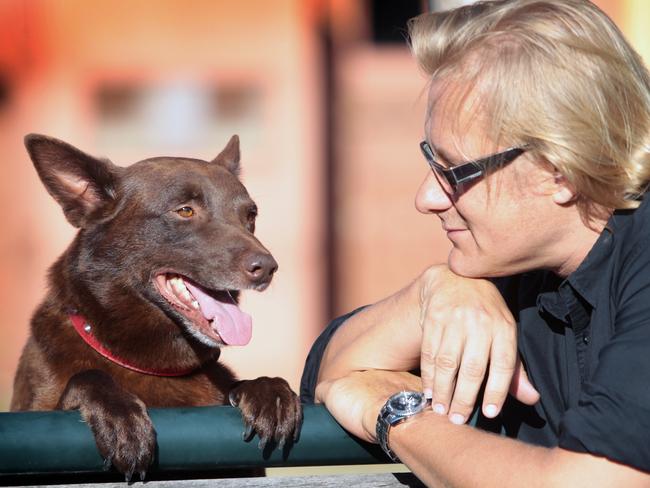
(451, 178)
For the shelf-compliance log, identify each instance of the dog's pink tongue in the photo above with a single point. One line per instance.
(234, 326)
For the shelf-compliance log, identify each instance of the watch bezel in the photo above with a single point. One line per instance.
(396, 411)
(397, 406)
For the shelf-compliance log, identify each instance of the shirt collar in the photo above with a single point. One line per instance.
(587, 279)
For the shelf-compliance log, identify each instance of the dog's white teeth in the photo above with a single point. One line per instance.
(179, 287)
(195, 304)
(186, 294)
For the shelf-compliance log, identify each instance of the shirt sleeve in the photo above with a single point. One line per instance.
(612, 418)
(312, 364)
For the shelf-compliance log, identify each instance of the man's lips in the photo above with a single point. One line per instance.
(449, 229)
(454, 233)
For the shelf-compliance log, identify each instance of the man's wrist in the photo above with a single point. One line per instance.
(370, 420)
(428, 280)
(402, 407)
(402, 434)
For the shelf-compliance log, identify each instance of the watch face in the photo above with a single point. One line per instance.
(407, 402)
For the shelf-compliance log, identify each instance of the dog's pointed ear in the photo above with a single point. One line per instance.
(229, 157)
(81, 184)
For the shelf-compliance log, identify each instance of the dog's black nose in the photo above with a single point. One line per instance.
(259, 268)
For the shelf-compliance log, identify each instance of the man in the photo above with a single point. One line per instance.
(537, 136)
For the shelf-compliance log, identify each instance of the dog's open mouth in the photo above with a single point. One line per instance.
(214, 314)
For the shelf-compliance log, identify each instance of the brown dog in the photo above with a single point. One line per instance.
(144, 297)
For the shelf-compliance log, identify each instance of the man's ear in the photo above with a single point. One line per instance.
(563, 193)
(229, 157)
(81, 184)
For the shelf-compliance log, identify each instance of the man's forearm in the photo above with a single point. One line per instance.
(386, 335)
(443, 454)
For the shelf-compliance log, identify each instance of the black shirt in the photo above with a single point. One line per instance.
(585, 341)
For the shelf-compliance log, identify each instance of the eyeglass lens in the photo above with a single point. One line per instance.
(440, 176)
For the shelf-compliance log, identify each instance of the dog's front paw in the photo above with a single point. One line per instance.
(125, 436)
(269, 407)
(123, 431)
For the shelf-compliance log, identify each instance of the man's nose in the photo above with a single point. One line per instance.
(431, 198)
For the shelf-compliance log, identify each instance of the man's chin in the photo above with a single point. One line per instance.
(478, 266)
(463, 265)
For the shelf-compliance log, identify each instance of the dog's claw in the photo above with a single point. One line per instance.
(281, 443)
(107, 464)
(262, 443)
(143, 475)
(248, 433)
(231, 399)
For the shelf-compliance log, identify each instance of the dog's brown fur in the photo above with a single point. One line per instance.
(131, 230)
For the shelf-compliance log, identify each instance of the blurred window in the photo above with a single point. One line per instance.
(448, 4)
(235, 102)
(174, 115)
(117, 101)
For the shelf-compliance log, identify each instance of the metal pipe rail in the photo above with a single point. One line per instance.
(189, 439)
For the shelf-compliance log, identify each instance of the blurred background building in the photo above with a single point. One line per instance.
(327, 102)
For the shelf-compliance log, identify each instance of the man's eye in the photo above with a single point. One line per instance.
(185, 212)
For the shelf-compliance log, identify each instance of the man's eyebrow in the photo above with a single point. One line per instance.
(443, 155)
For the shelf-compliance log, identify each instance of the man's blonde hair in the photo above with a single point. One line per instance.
(557, 76)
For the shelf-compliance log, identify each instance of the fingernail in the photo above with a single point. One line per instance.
(490, 410)
(457, 419)
(439, 408)
(428, 393)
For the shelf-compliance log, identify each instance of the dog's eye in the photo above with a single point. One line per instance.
(250, 219)
(185, 212)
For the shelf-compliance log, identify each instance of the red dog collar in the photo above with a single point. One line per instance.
(85, 330)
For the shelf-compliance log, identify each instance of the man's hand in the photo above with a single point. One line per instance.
(356, 399)
(467, 326)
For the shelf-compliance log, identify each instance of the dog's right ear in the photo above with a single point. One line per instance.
(229, 157)
(81, 184)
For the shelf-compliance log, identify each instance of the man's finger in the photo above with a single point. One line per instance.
(503, 358)
(446, 361)
(521, 387)
(431, 334)
(470, 377)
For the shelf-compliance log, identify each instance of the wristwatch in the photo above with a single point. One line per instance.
(399, 408)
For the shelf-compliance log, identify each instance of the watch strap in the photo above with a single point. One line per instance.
(387, 419)
(382, 429)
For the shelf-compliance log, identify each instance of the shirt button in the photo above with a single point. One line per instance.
(585, 339)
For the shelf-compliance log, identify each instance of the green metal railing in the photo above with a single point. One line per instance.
(202, 439)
